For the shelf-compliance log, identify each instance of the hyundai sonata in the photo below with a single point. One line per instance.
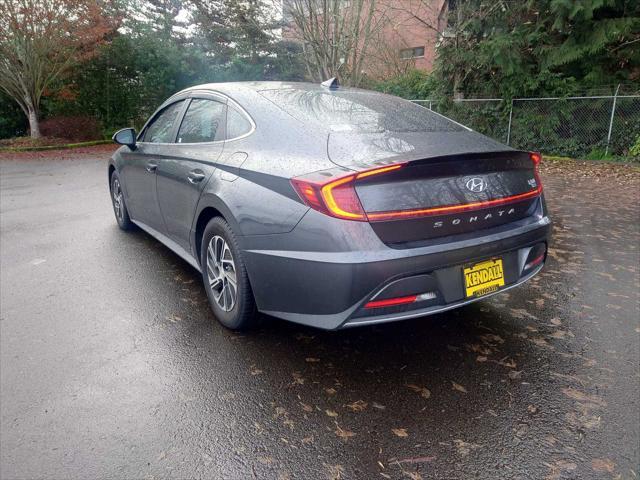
(328, 206)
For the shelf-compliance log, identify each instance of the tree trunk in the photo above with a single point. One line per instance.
(34, 123)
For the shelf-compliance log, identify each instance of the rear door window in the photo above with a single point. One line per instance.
(203, 122)
(161, 127)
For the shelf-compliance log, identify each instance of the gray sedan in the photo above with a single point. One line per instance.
(329, 206)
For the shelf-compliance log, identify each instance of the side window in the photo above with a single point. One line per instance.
(237, 123)
(202, 122)
(159, 130)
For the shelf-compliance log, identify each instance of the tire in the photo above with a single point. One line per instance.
(117, 200)
(220, 255)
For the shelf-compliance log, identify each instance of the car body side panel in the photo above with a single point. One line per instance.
(140, 184)
(177, 196)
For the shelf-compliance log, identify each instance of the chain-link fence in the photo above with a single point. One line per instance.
(572, 126)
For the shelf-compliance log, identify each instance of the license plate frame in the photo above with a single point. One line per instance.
(483, 278)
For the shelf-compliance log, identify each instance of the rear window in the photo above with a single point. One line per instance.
(360, 112)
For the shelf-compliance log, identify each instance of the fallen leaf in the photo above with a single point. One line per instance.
(424, 392)
(464, 448)
(583, 397)
(306, 408)
(490, 338)
(541, 342)
(558, 467)
(417, 460)
(255, 371)
(331, 413)
(335, 472)
(560, 334)
(458, 387)
(400, 432)
(330, 391)
(344, 434)
(481, 358)
(412, 475)
(357, 406)
(603, 465)
(311, 360)
(377, 405)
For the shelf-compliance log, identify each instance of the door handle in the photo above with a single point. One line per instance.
(151, 167)
(195, 176)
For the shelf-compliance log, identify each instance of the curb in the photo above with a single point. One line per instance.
(55, 147)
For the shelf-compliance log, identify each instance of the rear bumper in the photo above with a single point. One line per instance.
(328, 289)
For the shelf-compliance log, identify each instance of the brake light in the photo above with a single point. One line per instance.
(337, 197)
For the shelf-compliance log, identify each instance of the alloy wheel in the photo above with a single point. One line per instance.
(221, 273)
(116, 194)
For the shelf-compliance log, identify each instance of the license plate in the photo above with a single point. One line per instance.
(483, 278)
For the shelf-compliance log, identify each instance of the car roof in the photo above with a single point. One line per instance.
(231, 87)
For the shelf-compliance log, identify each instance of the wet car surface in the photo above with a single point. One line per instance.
(112, 365)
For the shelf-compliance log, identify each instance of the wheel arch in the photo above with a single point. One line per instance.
(210, 206)
(110, 170)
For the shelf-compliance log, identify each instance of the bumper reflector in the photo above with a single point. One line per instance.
(391, 302)
(534, 262)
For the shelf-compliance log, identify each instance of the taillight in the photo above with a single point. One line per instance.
(536, 158)
(337, 197)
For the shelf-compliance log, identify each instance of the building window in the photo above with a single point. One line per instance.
(415, 52)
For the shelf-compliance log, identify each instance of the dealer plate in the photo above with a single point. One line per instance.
(483, 278)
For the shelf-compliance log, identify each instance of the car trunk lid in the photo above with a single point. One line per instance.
(450, 183)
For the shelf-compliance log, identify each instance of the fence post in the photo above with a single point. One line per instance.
(613, 111)
(509, 127)
(429, 104)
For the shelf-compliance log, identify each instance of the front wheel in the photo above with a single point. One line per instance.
(225, 277)
(119, 207)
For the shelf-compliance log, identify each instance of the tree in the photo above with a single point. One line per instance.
(335, 35)
(539, 47)
(40, 40)
(242, 40)
(236, 28)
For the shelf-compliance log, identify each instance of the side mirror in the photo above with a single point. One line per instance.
(126, 136)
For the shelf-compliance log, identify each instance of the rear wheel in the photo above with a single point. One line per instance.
(225, 277)
(119, 207)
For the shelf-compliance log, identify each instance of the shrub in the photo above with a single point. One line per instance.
(415, 84)
(634, 151)
(73, 129)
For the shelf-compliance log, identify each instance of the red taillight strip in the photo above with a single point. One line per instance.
(453, 208)
(390, 302)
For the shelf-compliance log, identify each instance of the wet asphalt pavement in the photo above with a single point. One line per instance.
(112, 365)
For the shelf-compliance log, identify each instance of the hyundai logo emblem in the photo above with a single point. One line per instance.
(476, 185)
